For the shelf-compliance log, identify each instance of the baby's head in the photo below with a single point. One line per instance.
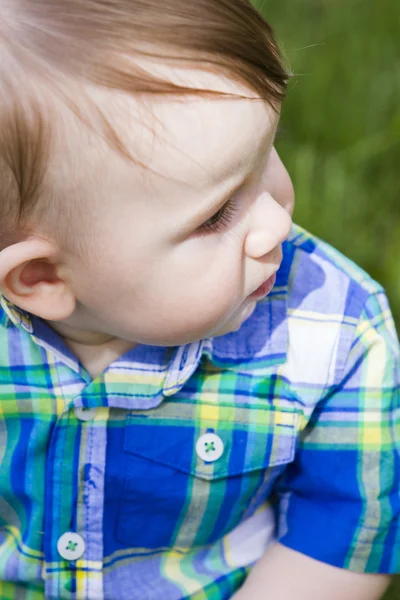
(140, 194)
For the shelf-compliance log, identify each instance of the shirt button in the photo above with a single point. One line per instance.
(85, 414)
(209, 447)
(70, 546)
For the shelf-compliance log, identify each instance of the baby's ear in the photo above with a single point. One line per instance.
(30, 279)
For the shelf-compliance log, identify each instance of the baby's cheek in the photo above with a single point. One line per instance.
(204, 308)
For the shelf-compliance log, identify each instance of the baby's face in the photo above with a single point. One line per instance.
(176, 257)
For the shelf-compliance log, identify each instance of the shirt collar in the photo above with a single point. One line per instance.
(12, 315)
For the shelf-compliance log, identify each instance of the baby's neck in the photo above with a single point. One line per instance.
(95, 350)
(97, 358)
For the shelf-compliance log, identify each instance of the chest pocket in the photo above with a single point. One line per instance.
(195, 472)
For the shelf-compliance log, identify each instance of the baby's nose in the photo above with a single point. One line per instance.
(269, 226)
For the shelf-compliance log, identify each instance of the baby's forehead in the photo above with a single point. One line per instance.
(178, 147)
(191, 137)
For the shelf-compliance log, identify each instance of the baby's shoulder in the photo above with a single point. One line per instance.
(320, 279)
(335, 312)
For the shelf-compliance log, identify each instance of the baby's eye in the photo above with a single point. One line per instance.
(220, 220)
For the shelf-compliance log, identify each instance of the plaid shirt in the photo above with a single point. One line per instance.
(167, 476)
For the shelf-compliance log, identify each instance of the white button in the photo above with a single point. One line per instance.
(71, 546)
(85, 414)
(209, 447)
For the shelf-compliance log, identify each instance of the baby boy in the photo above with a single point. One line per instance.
(197, 398)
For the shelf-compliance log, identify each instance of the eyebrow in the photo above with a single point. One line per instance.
(216, 205)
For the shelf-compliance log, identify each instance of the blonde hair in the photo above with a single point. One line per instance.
(46, 43)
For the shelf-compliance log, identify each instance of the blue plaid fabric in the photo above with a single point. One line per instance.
(175, 468)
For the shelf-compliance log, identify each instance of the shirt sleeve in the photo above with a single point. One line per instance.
(340, 498)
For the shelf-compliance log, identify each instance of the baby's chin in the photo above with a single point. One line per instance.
(237, 320)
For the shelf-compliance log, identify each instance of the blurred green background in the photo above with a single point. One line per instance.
(341, 126)
(341, 129)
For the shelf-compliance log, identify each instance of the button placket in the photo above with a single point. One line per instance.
(89, 514)
(86, 514)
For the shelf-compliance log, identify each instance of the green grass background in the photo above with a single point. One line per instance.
(341, 129)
